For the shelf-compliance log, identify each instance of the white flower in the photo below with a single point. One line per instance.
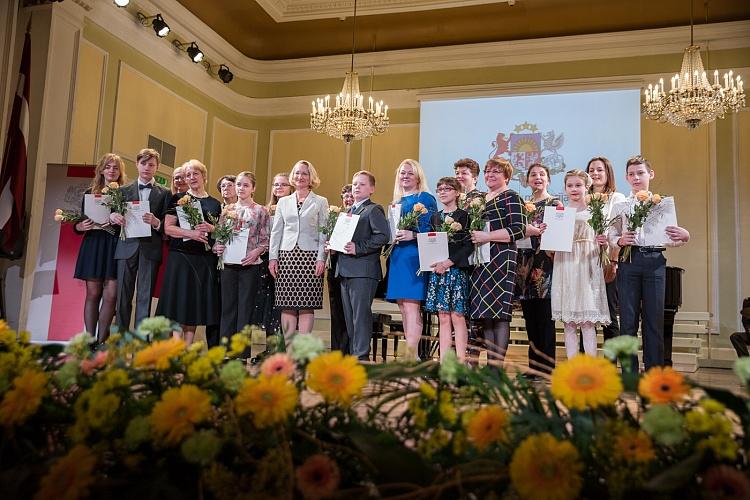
(624, 345)
(155, 327)
(306, 347)
(742, 368)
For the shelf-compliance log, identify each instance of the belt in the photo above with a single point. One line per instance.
(647, 249)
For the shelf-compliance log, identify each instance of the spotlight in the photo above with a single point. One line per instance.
(122, 3)
(194, 52)
(161, 28)
(225, 75)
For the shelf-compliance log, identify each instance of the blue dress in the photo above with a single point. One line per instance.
(403, 282)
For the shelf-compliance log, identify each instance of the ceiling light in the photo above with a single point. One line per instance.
(161, 28)
(194, 52)
(122, 3)
(225, 75)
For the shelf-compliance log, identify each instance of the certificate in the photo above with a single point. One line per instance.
(394, 217)
(182, 218)
(95, 209)
(134, 225)
(343, 232)
(236, 250)
(561, 222)
(433, 247)
(482, 254)
(654, 230)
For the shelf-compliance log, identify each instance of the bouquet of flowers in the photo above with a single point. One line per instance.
(639, 213)
(407, 221)
(67, 216)
(193, 215)
(599, 223)
(327, 229)
(116, 202)
(449, 226)
(225, 227)
(476, 221)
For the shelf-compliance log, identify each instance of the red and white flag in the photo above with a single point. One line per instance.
(13, 174)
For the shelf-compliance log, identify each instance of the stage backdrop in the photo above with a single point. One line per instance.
(561, 131)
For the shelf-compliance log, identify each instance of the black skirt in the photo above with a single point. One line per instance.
(96, 257)
(190, 293)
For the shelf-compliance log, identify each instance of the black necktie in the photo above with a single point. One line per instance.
(351, 209)
(144, 186)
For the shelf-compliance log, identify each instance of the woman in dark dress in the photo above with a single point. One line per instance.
(190, 294)
(339, 337)
(96, 263)
(492, 282)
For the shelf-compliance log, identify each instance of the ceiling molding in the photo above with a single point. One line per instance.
(283, 11)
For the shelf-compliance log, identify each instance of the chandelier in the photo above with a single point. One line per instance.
(349, 119)
(692, 100)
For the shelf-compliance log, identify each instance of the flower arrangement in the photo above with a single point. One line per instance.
(407, 221)
(193, 214)
(476, 221)
(140, 417)
(595, 203)
(450, 226)
(116, 201)
(330, 225)
(644, 202)
(67, 216)
(225, 227)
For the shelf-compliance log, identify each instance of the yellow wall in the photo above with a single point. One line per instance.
(382, 154)
(88, 93)
(743, 189)
(233, 150)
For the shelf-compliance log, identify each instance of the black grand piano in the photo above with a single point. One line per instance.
(672, 302)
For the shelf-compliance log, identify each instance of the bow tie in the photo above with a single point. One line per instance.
(144, 186)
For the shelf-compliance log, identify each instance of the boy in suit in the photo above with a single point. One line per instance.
(138, 259)
(641, 278)
(358, 268)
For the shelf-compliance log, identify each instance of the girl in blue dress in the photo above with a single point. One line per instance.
(404, 286)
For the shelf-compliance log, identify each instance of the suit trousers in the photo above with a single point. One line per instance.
(640, 286)
(357, 295)
(239, 292)
(136, 274)
(339, 337)
(612, 330)
(540, 329)
(740, 342)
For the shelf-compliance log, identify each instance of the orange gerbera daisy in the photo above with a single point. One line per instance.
(269, 399)
(179, 409)
(70, 477)
(544, 468)
(336, 377)
(488, 426)
(634, 446)
(585, 382)
(663, 385)
(158, 354)
(318, 477)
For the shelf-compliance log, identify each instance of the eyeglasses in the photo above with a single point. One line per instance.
(445, 189)
(280, 184)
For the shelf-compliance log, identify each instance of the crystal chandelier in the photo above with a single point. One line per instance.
(692, 100)
(349, 119)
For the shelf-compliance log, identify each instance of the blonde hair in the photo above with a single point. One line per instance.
(181, 168)
(200, 167)
(367, 174)
(577, 172)
(314, 179)
(98, 182)
(422, 187)
(248, 174)
(272, 198)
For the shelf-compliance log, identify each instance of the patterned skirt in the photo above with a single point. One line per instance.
(448, 292)
(492, 284)
(297, 287)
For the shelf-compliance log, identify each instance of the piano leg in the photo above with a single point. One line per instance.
(669, 315)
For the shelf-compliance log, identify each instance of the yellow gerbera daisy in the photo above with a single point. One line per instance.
(158, 354)
(586, 382)
(179, 409)
(634, 447)
(70, 477)
(663, 385)
(23, 400)
(488, 426)
(544, 468)
(336, 377)
(269, 399)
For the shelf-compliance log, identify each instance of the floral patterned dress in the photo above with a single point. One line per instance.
(534, 270)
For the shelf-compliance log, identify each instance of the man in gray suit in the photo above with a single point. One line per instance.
(138, 259)
(359, 267)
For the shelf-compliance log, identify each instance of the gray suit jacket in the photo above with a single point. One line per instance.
(151, 246)
(371, 234)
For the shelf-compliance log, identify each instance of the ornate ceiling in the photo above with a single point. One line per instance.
(288, 29)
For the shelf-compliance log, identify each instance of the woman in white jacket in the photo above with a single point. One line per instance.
(297, 250)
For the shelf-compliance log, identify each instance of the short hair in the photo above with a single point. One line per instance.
(398, 193)
(367, 174)
(98, 182)
(450, 181)
(467, 163)
(346, 188)
(610, 186)
(244, 173)
(537, 165)
(230, 178)
(146, 154)
(638, 160)
(577, 172)
(502, 163)
(200, 167)
(314, 179)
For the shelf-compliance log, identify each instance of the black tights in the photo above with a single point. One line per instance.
(496, 339)
(104, 292)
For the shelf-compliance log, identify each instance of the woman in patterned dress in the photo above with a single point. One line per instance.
(534, 276)
(492, 282)
(297, 251)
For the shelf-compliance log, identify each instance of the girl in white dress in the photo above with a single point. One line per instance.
(579, 297)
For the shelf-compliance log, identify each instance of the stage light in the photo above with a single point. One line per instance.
(194, 52)
(122, 3)
(225, 75)
(161, 28)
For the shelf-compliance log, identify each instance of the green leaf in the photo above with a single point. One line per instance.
(676, 476)
(394, 462)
